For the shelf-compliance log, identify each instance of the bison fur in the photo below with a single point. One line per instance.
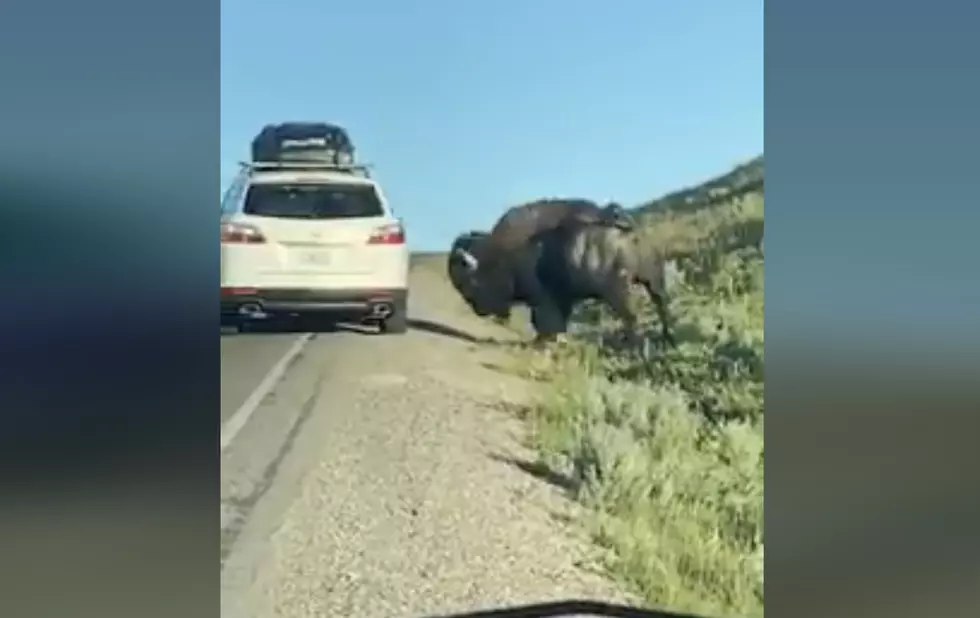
(504, 262)
(571, 263)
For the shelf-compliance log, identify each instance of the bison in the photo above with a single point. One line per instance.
(460, 270)
(573, 262)
(503, 260)
(521, 223)
(461, 277)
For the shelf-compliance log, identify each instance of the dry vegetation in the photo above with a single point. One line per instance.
(671, 466)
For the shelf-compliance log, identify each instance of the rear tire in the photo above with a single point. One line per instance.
(231, 323)
(397, 322)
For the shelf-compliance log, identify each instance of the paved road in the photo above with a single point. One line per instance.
(245, 361)
(377, 478)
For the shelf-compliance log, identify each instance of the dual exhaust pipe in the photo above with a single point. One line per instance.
(252, 311)
(379, 311)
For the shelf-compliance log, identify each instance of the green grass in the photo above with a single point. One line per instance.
(676, 498)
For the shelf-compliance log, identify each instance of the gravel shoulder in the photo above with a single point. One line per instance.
(397, 494)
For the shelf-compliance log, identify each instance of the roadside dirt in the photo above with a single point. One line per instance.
(411, 501)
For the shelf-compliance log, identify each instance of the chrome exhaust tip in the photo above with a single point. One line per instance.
(381, 311)
(252, 310)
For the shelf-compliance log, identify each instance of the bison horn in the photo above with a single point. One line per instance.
(471, 261)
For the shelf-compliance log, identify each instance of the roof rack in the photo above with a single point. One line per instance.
(361, 169)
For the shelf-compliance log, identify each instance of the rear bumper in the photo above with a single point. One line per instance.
(261, 302)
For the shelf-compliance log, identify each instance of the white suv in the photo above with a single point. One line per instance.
(311, 239)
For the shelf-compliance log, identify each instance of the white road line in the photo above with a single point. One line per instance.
(234, 424)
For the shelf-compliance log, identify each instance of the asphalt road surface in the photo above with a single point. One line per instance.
(246, 358)
(373, 475)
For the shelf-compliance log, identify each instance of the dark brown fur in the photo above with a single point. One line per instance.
(602, 262)
(497, 265)
(519, 224)
(574, 262)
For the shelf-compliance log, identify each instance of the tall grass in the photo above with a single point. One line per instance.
(671, 464)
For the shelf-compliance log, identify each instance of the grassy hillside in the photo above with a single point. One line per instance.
(745, 178)
(671, 466)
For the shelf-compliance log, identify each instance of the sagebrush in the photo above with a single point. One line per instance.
(670, 461)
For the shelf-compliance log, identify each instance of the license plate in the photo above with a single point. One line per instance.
(317, 259)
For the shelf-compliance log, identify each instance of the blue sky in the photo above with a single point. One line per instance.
(467, 108)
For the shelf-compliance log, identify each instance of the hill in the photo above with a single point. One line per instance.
(743, 179)
(670, 464)
(745, 182)
(705, 222)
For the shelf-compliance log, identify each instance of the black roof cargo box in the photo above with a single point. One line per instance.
(303, 142)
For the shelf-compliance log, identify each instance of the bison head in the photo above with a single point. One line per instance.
(486, 293)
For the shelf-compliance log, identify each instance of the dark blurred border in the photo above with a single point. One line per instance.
(109, 179)
(110, 381)
(568, 609)
(872, 384)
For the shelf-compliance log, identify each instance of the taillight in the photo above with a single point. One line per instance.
(240, 233)
(391, 234)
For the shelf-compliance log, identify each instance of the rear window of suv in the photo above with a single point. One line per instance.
(312, 201)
